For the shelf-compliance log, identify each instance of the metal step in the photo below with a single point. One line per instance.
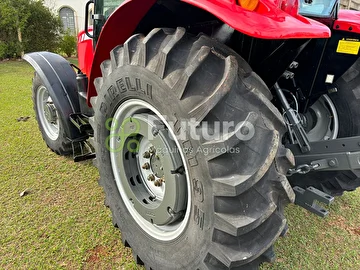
(308, 197)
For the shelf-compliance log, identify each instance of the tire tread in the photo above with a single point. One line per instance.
(264, 223)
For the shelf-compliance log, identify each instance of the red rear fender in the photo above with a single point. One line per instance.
(267, 21)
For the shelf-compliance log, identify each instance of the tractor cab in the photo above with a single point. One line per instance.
(319, 8)
(94, 22)
(102, 11)
(324, 11)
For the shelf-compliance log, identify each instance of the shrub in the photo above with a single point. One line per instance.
(3, 49)
(68, 44)
(11, 49)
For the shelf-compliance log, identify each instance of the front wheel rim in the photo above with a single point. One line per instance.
(153, 185)
(47, 113)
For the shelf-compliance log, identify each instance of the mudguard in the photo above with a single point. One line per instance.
(60, 80)
(348, 20)
(267, 21)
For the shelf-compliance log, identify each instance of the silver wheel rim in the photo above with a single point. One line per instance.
(321, 120)
(136, 109)
(47, 113)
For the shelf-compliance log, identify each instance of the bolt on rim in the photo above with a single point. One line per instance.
(47, 113)
(149, 170)
(145, 158)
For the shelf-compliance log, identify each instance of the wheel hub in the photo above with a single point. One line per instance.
(147, 157)
(156, 166)
(145, 161)
(50, 113)
(321, 121)
(47, 113)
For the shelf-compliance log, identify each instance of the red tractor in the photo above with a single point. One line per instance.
(206, 117)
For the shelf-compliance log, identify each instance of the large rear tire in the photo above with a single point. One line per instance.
(346, 101)
(221, 206)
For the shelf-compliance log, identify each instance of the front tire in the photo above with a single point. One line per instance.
(231, 190)
(50, 123)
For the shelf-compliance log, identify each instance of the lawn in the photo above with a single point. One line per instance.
(62, 222)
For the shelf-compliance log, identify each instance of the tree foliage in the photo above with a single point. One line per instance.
(27, 25)
(9, 25)
(42, 30)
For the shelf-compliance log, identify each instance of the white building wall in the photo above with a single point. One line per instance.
(350, 4)
(77, 5)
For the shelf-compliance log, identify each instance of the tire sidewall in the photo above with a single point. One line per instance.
(198, 230)
(347, 107)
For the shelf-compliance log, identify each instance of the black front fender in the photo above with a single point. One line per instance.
(60, 80)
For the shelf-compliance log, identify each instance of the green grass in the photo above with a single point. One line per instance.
(63, 224)
(316, 243)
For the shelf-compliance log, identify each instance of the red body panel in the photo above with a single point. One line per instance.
(268, 21)
(85, 52)
(348, 20)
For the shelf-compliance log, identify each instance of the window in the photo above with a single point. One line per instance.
(68, 19)
(317, 8)
(110, 6)
(90, 19)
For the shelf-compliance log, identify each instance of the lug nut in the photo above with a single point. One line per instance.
(151, 177)
(152, 150)
(146, 155)
(146, 166)
(157, 183)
